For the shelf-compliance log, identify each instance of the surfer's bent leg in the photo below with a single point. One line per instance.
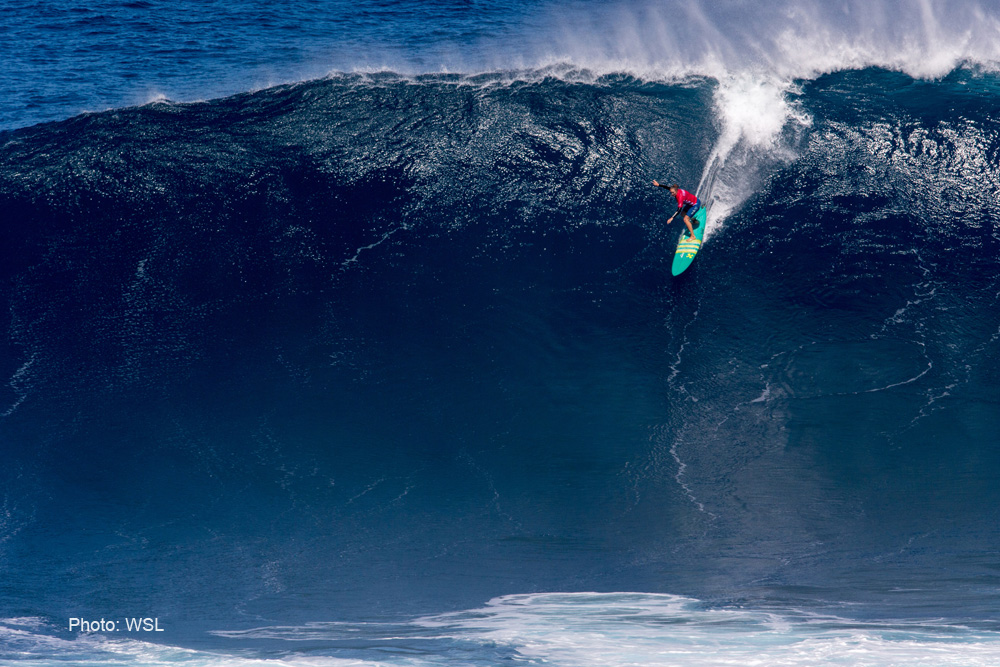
(689, 208)
(694, 209)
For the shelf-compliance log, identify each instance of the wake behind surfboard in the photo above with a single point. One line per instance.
(688, 247)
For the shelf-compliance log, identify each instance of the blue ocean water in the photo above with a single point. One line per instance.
(344, 334)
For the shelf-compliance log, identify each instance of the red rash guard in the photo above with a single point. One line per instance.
(685, 197)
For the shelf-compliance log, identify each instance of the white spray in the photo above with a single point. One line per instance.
(754, 115)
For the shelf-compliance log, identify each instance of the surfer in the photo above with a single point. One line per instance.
(687, 204)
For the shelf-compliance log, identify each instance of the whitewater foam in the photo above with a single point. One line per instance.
(598, 629)
(647, 629)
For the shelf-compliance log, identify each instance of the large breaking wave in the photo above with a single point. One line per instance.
(385, 343)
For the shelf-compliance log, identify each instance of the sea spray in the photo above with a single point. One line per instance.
(759, 126)
(671, 39)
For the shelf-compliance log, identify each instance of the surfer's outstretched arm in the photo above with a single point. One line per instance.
(666, 187)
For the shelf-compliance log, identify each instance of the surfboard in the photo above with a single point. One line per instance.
(688, 247)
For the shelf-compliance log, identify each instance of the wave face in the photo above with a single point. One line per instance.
(351, 357)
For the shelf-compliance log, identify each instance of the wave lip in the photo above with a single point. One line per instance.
(665, 41)
(787, 40)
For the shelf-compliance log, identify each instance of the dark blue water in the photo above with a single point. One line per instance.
(347, 333)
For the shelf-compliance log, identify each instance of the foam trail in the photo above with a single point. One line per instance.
(758, 128)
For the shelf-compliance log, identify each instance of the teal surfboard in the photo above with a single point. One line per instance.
(688, 247)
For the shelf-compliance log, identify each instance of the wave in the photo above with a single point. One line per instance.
(350, 340)
(332, 174)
